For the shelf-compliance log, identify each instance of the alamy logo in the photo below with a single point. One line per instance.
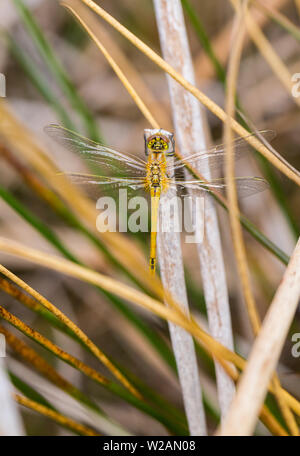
(125, 214)
(296, 85)
(296, 346)
(2, 346)
(2, 85)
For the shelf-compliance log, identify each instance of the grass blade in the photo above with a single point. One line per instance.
(28, 391)
(114, 388)
(57, 70)
(39, 83)
(265, 352)
(61, 419)
(268, 172)
(239, 246)
(48, 234)
(10, 420)
(191, 136)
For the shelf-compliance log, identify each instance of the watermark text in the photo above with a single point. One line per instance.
(2, 346)
(2, 85)
(168, 215)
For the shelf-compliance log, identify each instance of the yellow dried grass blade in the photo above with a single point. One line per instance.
(53, 348)
(265, 352)
(282, 165)
(237, 235)
(59, 418)
(267, 51)
(79, 333)
(172, 313)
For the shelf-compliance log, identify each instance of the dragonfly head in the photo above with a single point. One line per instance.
(159, 141)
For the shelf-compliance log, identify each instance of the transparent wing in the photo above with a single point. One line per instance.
(98, 155)
(215, 156)
(105, 181)
(246, 186)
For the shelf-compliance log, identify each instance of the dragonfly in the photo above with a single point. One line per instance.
(157, 173)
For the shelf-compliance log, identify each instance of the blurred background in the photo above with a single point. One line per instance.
(99, 107)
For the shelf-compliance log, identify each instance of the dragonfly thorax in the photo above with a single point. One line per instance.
(156, 172)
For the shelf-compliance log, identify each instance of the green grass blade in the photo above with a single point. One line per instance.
(60, 208)
(263, 240)
(39, 83)
(204, 40)
(66, 386)
(147, 392)
(268, 171)
(159, 415)
(57, 70)
(53, 239)
(166, 408)
(108, 385)
(28, 391)
(250, 227)
(278, 192)
(282, 21)
(120, 391)
(34, 221)
(160, 346)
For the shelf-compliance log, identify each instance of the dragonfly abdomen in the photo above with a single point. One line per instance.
(157, 182)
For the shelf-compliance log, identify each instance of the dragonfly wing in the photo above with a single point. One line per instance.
(215, 156)
(246, 186)
(105, 181)
(97, 154)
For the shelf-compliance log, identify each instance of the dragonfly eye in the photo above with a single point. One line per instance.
(157, 143)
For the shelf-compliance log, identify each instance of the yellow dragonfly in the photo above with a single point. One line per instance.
(156, 174)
